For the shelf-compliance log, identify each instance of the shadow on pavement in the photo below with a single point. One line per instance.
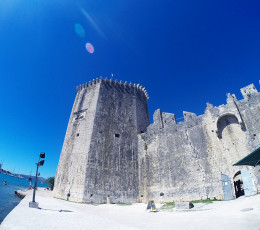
(55, 210)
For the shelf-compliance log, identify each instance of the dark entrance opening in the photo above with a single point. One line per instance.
(238, 184)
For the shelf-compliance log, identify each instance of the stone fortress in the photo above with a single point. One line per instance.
(112, 150)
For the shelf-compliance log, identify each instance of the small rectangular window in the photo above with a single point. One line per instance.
(117, 135)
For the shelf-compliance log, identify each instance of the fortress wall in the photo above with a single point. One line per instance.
(239, 133)
(184, 161)
(112, 166)
(178, 162)
(227, 143)
(70, 176)
(99, 154)
(142, 115)
(110, 150)
(250, 111)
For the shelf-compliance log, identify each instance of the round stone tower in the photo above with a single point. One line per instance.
(99, 155)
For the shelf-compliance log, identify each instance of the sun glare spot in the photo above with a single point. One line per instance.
(93, 23)
(90, 48)
(79, 30)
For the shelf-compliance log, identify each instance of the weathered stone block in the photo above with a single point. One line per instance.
(184, 205)
(33, 204)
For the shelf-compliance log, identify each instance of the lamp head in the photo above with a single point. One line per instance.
(41, 163)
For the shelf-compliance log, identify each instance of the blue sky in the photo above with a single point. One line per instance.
(185, 53)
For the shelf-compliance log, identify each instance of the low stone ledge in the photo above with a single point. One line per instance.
(21, 194)
(183, 205)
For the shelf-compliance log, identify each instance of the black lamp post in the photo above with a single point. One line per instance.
(34, 204)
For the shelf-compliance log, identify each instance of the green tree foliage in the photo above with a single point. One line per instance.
(50, 181)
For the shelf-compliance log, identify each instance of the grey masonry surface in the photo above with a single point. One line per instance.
(99, 156)
(110, 150)
(184, 161)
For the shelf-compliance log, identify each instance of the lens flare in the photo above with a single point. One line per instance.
(79, 30)
(90, 48)
(93, 23)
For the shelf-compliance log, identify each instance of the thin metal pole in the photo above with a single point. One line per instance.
(35, 183)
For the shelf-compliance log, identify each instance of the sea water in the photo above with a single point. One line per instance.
(8, 199)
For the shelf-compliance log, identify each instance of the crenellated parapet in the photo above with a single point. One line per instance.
(213, 116)
(185, 158)
(134, 88)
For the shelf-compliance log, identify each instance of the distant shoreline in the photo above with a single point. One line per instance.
(22, 176)
(9, 173)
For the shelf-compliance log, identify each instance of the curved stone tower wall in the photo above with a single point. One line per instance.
(99, 155)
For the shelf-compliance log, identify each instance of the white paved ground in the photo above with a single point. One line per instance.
(219, 215)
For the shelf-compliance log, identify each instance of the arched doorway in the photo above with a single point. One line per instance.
(227, 187)
(238, 184)
(226, 122)
(243, 183)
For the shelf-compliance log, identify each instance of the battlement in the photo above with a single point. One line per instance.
(111, 82)
(248, 91)
(233, 107)
(187, 160)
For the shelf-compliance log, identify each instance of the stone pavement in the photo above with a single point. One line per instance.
(242, 213)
